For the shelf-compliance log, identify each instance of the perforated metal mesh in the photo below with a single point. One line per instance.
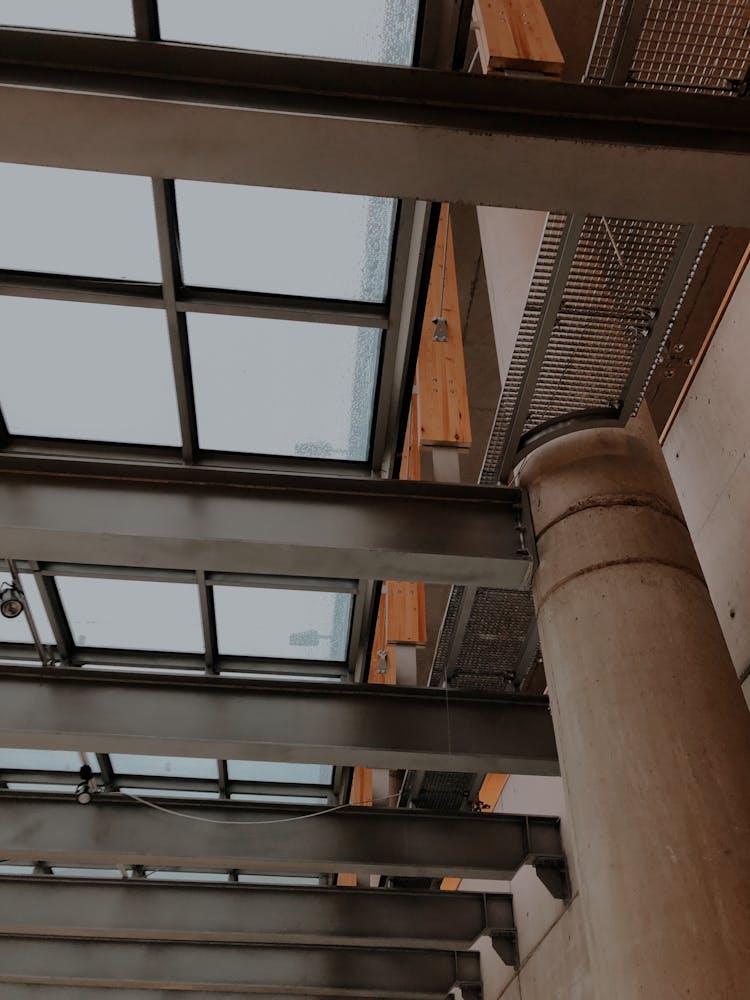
(701, 46)
(614, 285)
(440, 790)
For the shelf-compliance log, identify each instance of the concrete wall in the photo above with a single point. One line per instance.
(708, 453)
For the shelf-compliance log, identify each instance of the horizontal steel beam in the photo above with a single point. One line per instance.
(370, 725)
(173, 110)
(280, 839)
(411, 975)
(249, 914)
(282, 525)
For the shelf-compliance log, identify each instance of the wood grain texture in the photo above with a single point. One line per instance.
(406, 618)
(442, 398)
(516, 35)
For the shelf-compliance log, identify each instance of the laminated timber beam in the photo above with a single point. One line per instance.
(263, 523)
(280, 839)
(174, 110)
(249, 914)
(373, 725)
(395, 975)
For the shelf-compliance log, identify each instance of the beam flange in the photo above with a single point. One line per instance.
(280, 839)
(371, 725)
(282, 525)
(173, 110)
(411, 975)
(249, 914)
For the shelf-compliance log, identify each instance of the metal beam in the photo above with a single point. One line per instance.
(283, 525)
(280, 839)
(249, 914)
(169, 110)
(370, 725)
(411, 975)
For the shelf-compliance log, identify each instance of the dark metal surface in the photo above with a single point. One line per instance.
(293, 526)
(363, 840)
(411, 975)
(372, 725)
(535, 144)
(250, 914)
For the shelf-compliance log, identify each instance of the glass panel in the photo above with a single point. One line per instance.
(16, 869)
(283, 388)
(164, 793)
(252, 770)
(188, 876)
(88, 372)
(34, 599)
(43, 760)
(287, 800)
(367, 30)
(168, 767)
(29, 786)
(286, 242)
(298, 624)
(132, 614)
(77, 222)
(86, 872)
(111, 17)
(280, 879)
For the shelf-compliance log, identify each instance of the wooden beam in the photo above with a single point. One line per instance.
(442, 400)
(516, 35)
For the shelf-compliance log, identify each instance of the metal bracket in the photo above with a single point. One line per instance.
(441, 329)
(505, 945)
(554, 876)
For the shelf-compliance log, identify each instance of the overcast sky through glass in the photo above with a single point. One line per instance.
(83, 371)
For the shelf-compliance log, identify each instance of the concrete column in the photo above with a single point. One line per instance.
(652, 730)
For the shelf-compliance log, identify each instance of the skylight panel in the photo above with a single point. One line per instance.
(283, 388)
(42, 760)
(286, 242)
(78, 222)
(303, 774)
(368, 30)
(133, 614)
(102, 17)
(36, 606)
(298, 624)
(86, 372)
(164, 767)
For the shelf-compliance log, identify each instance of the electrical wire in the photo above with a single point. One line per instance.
(248, 822)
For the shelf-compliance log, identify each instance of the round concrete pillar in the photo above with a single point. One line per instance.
(652, 729)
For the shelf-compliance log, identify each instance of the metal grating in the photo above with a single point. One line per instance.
(701, 46)
(613, 287)
(447, 792)
(493, 642)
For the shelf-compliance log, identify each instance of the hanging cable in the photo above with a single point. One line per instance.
(247, 822)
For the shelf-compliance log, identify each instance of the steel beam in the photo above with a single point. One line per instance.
(282, 525)
(249, 914)
(169, 110)
(411, 975)
(369, 725)
(280, 839)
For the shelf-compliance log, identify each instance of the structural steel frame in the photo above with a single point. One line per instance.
(371, 725)
(166, 110)
(392, 974)
(114, 830)
(250, 914)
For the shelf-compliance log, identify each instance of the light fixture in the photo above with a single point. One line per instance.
(11, 602)
(86, 787)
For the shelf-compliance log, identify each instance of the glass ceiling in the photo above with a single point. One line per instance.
(84, 371)
(368, 30)
(156, 624)
(256, 390)
(112, 371)
(271, 240)
(77, 222)
(106, 17)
